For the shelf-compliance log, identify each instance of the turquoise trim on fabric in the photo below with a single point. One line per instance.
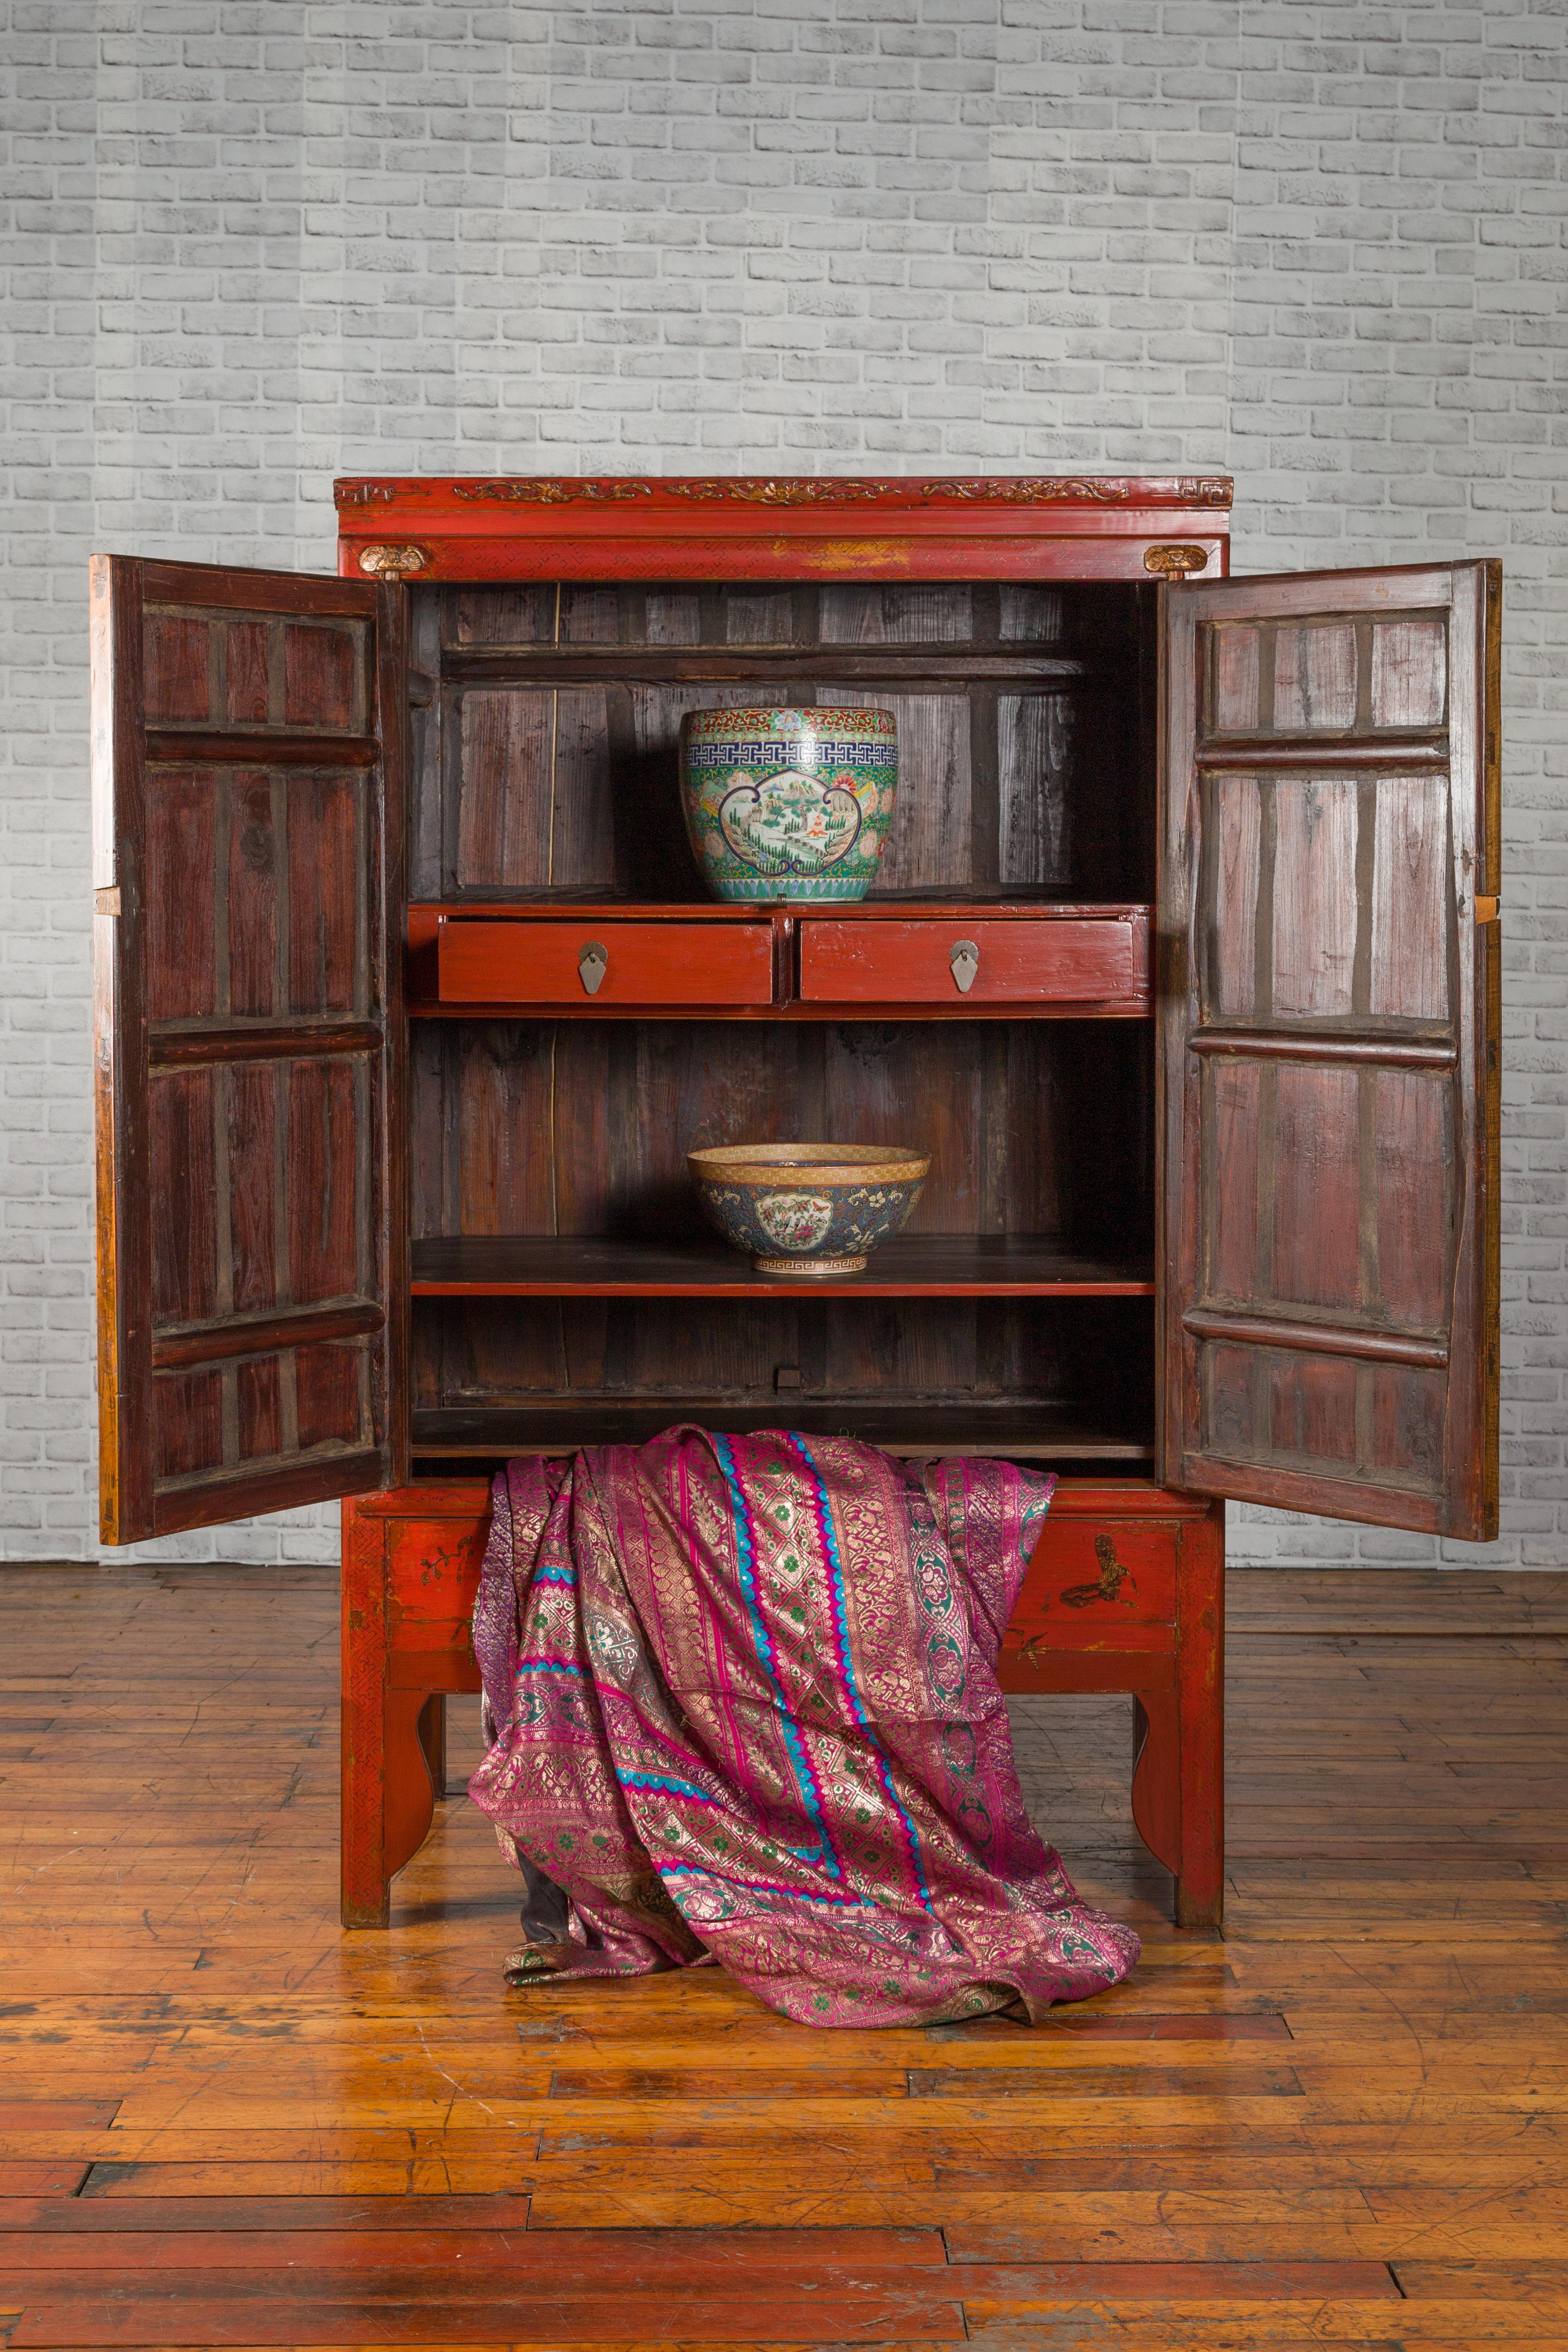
(846, 1669)
(805, 1781)
(662, 1780)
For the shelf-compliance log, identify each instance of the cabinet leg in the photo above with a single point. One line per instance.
(432, 1739)
(365, 1898)
(363, 1686)
(1156, 1775)
(1178, 1739)
(395, 1741)
(1200, 1692)
(408, 1785)
(1175, 1766)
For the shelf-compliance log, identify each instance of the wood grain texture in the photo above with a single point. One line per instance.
(248, 1098)
(506, 746)
(538, 1127)
(1233, 841)
(282, 2135)
(1329, 1072)
(1314, 676)
(542, 1413)
(1314, 1252)
(929, 840)
(1039, 1373)
(555, 744)
(1408, 686)
(1410, 947)
(1314, 912)
(531, 1132)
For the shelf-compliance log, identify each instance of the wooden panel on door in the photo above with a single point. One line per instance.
(1329, 1045)
(247, 744)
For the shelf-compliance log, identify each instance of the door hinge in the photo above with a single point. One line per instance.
(1175, 562)
(392, 562)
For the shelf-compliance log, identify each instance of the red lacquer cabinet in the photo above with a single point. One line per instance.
(387, 1190)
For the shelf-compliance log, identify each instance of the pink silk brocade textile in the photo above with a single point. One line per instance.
(743, 1704)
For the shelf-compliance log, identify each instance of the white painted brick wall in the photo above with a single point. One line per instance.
(249, 243)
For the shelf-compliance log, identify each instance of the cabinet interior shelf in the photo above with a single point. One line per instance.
(580, 899)
(956, 1265)
(1041, 1433)
(820, 669)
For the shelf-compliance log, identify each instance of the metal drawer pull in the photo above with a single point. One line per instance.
(965, 962)
(591, 965)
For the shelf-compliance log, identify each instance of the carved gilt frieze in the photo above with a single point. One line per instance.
(799, 490)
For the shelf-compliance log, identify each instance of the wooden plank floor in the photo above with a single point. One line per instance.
(225, 2123)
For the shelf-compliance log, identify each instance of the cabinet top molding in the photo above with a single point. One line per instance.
(784, 527)
(799, 490)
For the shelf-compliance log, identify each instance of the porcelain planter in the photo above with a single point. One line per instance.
(808, 1208)
(784, 803)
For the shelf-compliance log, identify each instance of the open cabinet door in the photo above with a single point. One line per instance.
(248, 832)
(1330, 1044)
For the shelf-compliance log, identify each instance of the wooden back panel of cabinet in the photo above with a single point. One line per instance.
(547, 783)
(548, 728)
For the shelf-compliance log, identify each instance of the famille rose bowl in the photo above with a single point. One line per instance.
(789, 804)
(808, 1208)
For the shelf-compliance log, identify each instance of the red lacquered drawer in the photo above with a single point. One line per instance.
(1066, 958)
(1100, 1584)
(596, 963)
(431, 1578)
(433, 1575)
